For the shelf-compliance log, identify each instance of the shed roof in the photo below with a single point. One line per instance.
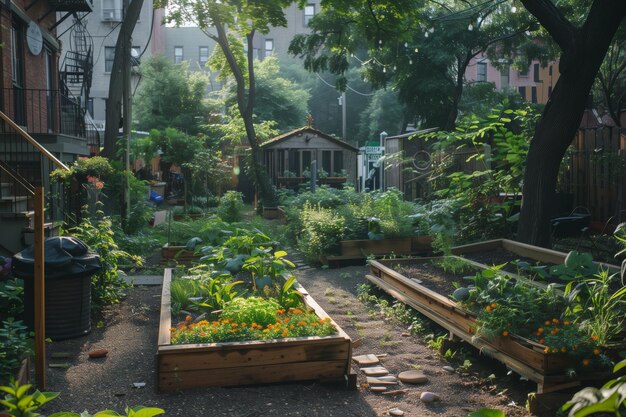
(296, 132)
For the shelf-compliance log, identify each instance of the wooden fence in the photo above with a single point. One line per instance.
(594, 171)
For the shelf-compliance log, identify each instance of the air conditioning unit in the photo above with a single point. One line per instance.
(109, 15)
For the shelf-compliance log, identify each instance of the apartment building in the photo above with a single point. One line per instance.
(534, 83)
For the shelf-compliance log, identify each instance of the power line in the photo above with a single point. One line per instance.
(347, 86)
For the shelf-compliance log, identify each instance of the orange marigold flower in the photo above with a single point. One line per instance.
(554, 350)
(202, 334)
(99, 185)
(505, 333)
(188, 318)
(594, 337)
(555, 321)
(567, 322)
(546, 350)
(586, 362)
(542, 341)
(540, 330)
(234, 324)
(266, 331)
(563, 349)
(172, 329)
(243, 324)
(291, 326)
(301, 323)
(285, 333)
(547, 323)
(488, 309)
(494, 305)
(596, 351)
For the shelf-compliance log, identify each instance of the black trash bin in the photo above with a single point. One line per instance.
(69, 266)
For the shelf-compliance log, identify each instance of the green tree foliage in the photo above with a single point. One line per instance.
(170, 96)
(278, 99)
(229, 22)
(383, 113)
(609, 90)
(420, 49)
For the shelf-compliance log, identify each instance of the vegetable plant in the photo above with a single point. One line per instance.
(15, 345)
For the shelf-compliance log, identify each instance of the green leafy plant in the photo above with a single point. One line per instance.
(321, 233)
(487, 412)
(107, 285)
(11, 298)
(267, 267)
(18, 402)
(610, 399)
(599, 310)
(231, 206)
(576, 265)
(137, 411)
(15, 345)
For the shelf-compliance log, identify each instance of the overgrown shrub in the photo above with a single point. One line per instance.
(107, 286)
(15, 345)
(322, 230)
(231, 206)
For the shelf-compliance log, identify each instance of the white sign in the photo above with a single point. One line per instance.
(34, 38)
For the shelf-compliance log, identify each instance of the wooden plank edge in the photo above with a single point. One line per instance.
(477, 247)
(414, 285)
(482, 345)
(166, 309)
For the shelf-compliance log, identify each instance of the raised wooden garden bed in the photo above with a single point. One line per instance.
(522, 355)
(357, 251)
(325, 359)
(536, 253)
(180, 254)
(182, 216)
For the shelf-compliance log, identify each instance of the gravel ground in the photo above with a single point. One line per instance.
(130, 334)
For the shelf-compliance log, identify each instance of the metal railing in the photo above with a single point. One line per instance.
(45, 111)
(25, 164)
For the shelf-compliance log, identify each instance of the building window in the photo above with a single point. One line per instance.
(337, 163)
(178, 54)
(203, 57)
(481, 71)
(109, 56)
(269, 47)
(309, 12)
(112, 10)
(533, 94)
(504, 77)
(536, 73)
(522, 92)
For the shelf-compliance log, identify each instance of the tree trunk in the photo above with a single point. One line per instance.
(246, 110)
(583, 50)
(116, 83)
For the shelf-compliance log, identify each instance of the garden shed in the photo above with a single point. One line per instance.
(288, 158)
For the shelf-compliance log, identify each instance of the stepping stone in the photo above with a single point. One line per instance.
(382, 380)
(396, 412)
(413, 377)
(375, 371)
(366, 360)
(100, 353)
(429, 397)
(378, 388)
(448, 368)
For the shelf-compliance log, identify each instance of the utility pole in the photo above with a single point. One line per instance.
(127, 128)
(343, 116)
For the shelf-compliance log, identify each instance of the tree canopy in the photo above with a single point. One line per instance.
(170, 96)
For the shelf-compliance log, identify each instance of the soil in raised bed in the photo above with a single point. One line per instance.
(501, 256)
(434, 277)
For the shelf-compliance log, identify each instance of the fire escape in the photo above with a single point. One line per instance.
(76, 73)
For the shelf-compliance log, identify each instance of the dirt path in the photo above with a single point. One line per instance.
(131, 331)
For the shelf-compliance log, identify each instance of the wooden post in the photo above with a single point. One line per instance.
(40, 291)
